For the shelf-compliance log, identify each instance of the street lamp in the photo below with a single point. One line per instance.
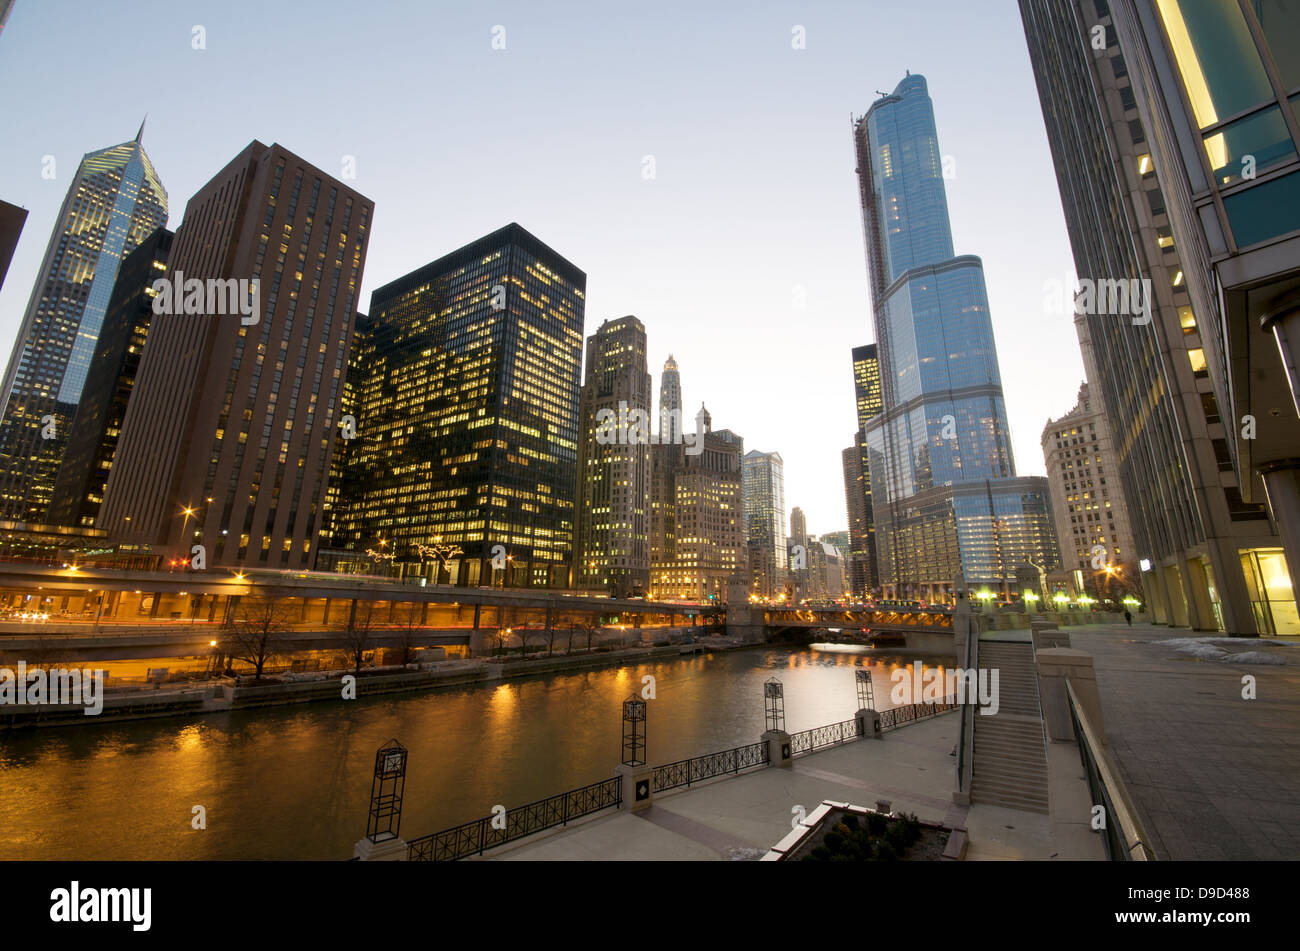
(1060, 598)
(1032, 599)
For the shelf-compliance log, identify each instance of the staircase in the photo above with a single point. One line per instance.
(1010, 762)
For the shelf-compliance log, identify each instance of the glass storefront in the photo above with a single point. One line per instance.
(1269, 586)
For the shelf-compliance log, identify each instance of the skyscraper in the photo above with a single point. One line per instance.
(861, 539)
(698, 516)
(230, 428)
(763, 479)
(114, 201)
(612, 523)
(1092, 522)
(1178, 381)
(465, 396)
(864, 568)
(671, 423)
(945, 496)
(97, 426)
(798, 527)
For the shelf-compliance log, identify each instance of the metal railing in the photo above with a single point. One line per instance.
(819, 738)
(1123, 835)
(910, 713)
(478, 835)
(699, 768)
(966, 732)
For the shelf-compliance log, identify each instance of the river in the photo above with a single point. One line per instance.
(294, 782)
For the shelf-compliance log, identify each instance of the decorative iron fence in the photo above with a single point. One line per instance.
(695, 770)
(896, 717)
(821, 737)
(473, 838)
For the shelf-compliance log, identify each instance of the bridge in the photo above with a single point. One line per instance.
(918, 629)
(76, 600)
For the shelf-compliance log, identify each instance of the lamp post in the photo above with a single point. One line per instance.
(1031, 598)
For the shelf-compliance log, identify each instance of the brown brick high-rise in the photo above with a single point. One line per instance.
(228, 436)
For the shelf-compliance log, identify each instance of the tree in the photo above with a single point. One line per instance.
(359, 633)
(409, 621)
(257, 627)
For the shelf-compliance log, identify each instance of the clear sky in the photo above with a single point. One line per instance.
(743, 255)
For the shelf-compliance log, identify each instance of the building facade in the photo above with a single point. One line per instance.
(1092, 524)
(612, 519)
(1211, 557)
(229, 432)
(945, 496)
(114, 202)
(464, 389)
(97, 426)
(697, 535)
(864, 570)
(763, 484)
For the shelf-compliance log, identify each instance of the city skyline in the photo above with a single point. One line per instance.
(593, 204)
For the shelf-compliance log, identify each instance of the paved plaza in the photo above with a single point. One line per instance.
(1214, 776)
(741, 817)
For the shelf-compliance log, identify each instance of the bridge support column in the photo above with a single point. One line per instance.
(778, 748)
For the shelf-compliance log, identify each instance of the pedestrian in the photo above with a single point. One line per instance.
(1128, 616)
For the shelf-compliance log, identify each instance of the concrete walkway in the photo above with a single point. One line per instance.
(740, 817)
(1214, 776)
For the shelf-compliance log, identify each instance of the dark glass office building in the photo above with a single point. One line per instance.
(464, 387)
(92, 440)
(945, 495)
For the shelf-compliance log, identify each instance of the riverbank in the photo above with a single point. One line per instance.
(241, 693)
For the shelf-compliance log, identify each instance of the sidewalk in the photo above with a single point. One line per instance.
(740, 817)
(1214, 776)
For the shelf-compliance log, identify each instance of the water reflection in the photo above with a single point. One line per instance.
(294, 782)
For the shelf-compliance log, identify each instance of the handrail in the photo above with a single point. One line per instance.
(1102, 780)
(966, 734)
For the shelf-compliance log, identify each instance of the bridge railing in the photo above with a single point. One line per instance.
(699, 768)
(478, 835)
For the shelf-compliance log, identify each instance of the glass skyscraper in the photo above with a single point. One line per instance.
(763, 487)
(945, 496)
(464, 386)
(114, 202)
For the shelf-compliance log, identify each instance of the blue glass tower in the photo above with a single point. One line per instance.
(113, 203)
(940, 453)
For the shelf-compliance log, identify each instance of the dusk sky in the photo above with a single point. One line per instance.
(743, 255)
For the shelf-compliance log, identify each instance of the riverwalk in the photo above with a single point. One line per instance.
(1212, 774)
(740, 817)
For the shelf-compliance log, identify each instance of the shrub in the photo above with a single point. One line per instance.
(833, 841)
(885, 852)
(876, 823)
(851, 822)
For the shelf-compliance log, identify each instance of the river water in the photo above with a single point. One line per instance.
(294, 782)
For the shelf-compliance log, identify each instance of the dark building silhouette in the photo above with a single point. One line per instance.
(93, 436)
